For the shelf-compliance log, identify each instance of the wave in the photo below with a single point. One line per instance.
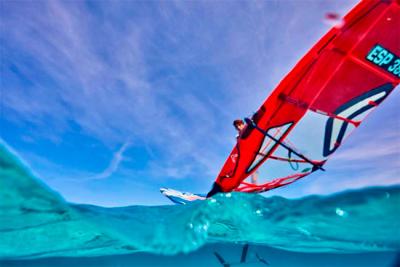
(37, 222)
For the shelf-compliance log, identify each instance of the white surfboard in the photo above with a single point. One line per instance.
(179, 197)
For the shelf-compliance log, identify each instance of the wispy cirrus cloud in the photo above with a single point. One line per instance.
(114, 163)
(101, 84)
(384, 143)
(169, 75)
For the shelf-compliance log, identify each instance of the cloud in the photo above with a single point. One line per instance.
(103, 85)
(336, 182)
(114, 164)
(155, 72)
(370, 151)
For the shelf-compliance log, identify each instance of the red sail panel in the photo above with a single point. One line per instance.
(344, 76)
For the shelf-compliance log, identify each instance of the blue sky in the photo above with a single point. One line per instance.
(108, 101)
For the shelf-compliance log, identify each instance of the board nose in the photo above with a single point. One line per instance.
(162, 190)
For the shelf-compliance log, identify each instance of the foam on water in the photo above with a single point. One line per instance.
(36, 222)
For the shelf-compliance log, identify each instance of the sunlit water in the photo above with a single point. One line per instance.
(37, 223)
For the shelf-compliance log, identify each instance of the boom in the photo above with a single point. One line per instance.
(330, 91)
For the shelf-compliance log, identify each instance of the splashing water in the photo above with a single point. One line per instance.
(36, 222)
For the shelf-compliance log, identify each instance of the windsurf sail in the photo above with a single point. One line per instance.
(331, 90)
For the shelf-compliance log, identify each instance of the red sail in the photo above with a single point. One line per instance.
(346, 75)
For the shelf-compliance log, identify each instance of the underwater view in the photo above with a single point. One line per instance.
(354, 227)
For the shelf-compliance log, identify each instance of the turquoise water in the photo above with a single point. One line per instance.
(37, 223)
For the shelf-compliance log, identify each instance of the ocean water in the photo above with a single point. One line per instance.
(39, 228)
